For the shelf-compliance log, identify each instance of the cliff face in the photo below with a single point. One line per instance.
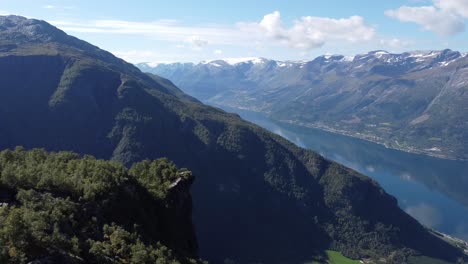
(177, 217)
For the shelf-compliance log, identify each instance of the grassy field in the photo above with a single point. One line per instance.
(335, 257)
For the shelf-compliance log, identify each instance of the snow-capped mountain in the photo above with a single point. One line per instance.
(416, 101)
(443, 57)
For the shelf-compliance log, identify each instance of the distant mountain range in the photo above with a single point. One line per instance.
(413, 101)
(257, 197)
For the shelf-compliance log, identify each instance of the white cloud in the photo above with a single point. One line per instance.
(444, 17)
(430, 18)
(394, 43)
(167, 30)
(456, 6)
(4, 13)
(217, 52)
(156, 56)
(136, 56)
(311, 32)
(197, 42)
(426, 214)
(306, 33)
(58, 7)
(273, 26)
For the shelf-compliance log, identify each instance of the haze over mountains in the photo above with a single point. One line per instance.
(413, 101)
(257, 197)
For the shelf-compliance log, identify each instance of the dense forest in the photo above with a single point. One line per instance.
(63, 208)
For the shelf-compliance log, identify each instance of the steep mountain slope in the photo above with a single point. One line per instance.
(257, 197)
(414, 101)
(61, 208)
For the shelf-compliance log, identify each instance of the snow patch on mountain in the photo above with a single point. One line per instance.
(216, 64)
(348, 58)
(446, 63)
(380, 53)
(154, 64)
(283, 64)
(160, 63)
(420, 59)
(421, 56)
(235, 61)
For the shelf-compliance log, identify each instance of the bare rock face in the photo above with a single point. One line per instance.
(178, 214)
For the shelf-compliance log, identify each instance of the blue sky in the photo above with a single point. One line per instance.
(175, 30)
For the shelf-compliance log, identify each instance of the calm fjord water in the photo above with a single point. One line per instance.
(434, 191)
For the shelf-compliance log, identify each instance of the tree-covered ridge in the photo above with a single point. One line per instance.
(64, 208)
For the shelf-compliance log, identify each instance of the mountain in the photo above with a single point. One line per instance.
(63, 208)
(414, 101)
(257, 197)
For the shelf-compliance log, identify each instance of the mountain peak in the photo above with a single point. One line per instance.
(21, 29)
(17, 30)
(334, 58)
(235, 61)
(379, 52)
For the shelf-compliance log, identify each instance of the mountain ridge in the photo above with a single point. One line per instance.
(239, 60)
(412, 101)
(255, 193)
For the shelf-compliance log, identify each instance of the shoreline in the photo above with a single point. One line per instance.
(369, 138)
(458, 242)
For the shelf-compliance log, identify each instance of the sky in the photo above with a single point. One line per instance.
(193, 31)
